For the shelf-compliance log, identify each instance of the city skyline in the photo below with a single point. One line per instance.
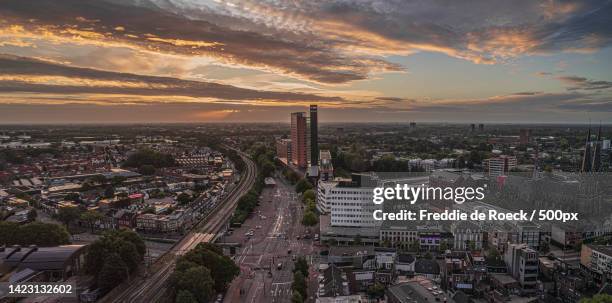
(153, 61)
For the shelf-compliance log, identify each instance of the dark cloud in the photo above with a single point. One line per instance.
(395, 99)
(582, 83)
(214, 112)
(28, 75)
(163, 31)
(527, 93)
(316, 40)
(604, 106)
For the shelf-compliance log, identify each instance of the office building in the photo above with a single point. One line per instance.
(523, 265)
(299, 142)
(314, 136)
(525, 136)
(597, 260)
(593, 154)
(283, 150)
(500, 166)
(349, 202)
(326, 169)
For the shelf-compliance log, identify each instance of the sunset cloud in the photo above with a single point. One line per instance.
(394, 58)
(19, 74)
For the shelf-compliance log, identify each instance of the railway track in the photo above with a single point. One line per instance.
(154, 287)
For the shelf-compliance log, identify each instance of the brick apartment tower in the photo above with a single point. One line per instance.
(299, 140)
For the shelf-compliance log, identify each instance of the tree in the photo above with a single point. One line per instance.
(376, 291)
(302, 266)
(443, 246)
(309, 195)
(311, 205)
(299, 284)
(75, 197)
(35, 233)
(147, 169)
(128, 253)
(94, 259)
(124, 243)
(309, 219)
(267, 168)
(222, 269)
(197, 280)
(132, 237)
(68, 215)
(601, 298)
(112, 272)
(185, 296)
(302, 186)
(149, 157)
(91, 217)
(297, 298)
(183, 198)
(99, 179)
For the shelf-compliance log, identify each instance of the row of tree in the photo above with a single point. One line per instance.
(310, 217)
(35, 233)
(265, 168)
(299, 285)
(202, 272)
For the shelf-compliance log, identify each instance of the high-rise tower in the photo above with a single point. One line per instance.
(299, 143)
(314, 136)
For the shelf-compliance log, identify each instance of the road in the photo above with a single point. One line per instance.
(276, 226)
(154, 287)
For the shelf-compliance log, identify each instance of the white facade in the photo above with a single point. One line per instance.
(323, 195)
(348, 206)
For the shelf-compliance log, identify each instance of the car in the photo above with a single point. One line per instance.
(298, 237)
(279, 266)
(288, 251)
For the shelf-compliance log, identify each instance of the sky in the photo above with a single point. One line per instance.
(135, 61)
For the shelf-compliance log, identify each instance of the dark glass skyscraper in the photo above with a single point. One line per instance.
(314, 136)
